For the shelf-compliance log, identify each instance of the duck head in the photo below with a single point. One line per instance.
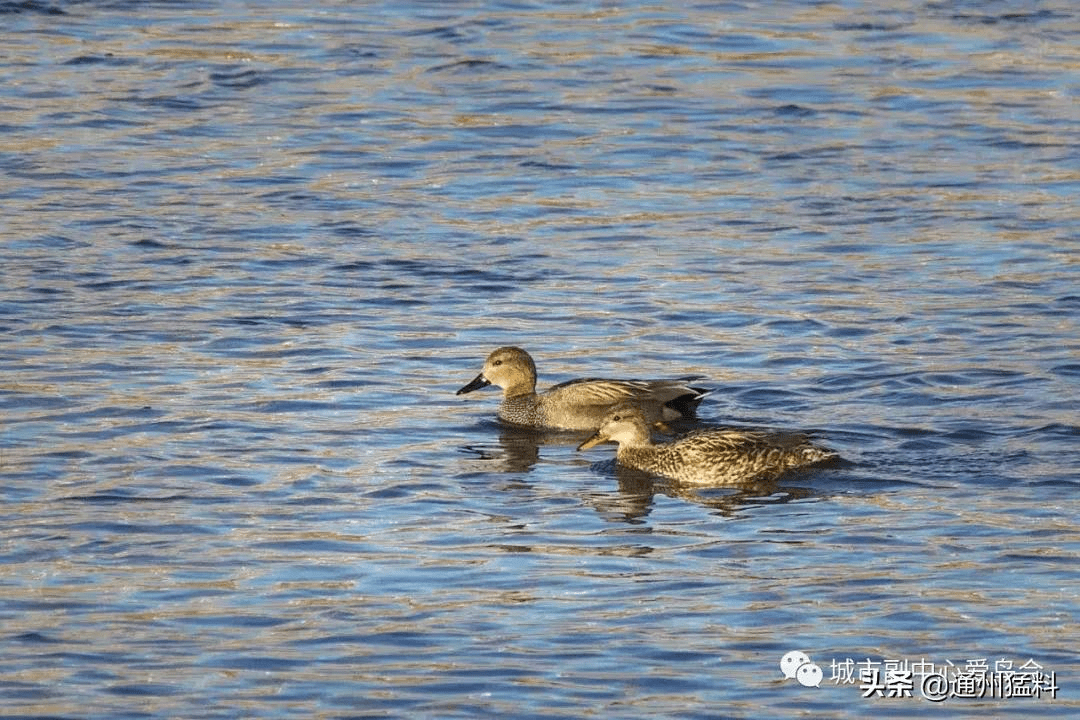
(624, 424)
(510, 368)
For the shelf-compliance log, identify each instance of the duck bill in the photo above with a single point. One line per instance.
(595, 440)
(478, 382)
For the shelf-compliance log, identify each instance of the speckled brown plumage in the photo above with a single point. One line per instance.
(707, 457)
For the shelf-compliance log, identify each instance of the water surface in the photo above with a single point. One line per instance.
(249, 254)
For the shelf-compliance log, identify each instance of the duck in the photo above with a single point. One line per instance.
(712, 456)
(580, 404)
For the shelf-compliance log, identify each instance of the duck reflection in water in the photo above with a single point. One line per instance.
(518, 449)
(637, 491)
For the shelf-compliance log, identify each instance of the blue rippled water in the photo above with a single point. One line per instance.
(249, 253)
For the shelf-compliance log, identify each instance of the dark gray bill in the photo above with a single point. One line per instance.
(478, 382)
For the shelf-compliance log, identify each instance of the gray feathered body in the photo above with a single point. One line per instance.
(582, 404)
(579, 404)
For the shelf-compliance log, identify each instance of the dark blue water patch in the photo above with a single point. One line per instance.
(403, 271)
(1059, 560)
(238, 78)
(146, 690)
(35, 638)
(468, 66)
(103, 122)
(988, 377)
(1061, 430)
(313, 501)
(286, 262)
(1010, 18)
(171, 103)
(349, 230)
(768, 397)
(400, 490)
(356, 51)
(797, 111)
(53, 241)
(288, 406)
(300, 198)
(306, 547)
(450, 33)
(242, 348)
(164, 427)
(870, 27)
(120, 528)
(102, 59)
(973, 435)
(545, 165)
(343, 639)
(32, 605)
(344, 384)
(923, 445)
(400, 638)
(115, 284)
(40, 693)
(299, 322)
(245, 320)
(1067, 370)
(913, 432)
(98, 433)
(852, 331)
(112, 411)
(144, 5)
(205, 473)
(1068, 484)
(157, 244)
(23, 402)
(262, 663)
(121, 497)
(1013, 144)
(30, 6)
(229, 620)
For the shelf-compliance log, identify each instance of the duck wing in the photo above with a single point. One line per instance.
(603, 391)
(754, 450)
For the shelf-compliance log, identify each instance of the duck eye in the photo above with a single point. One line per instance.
(617, 418)
(497, 362)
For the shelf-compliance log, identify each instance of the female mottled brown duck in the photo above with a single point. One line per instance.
(707, 457)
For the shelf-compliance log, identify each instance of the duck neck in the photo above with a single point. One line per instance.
(520, 409)
(519, 393)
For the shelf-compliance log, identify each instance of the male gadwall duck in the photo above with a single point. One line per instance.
(579, 404)
(707, 457)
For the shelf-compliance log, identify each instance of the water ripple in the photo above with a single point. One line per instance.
(251, 252)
